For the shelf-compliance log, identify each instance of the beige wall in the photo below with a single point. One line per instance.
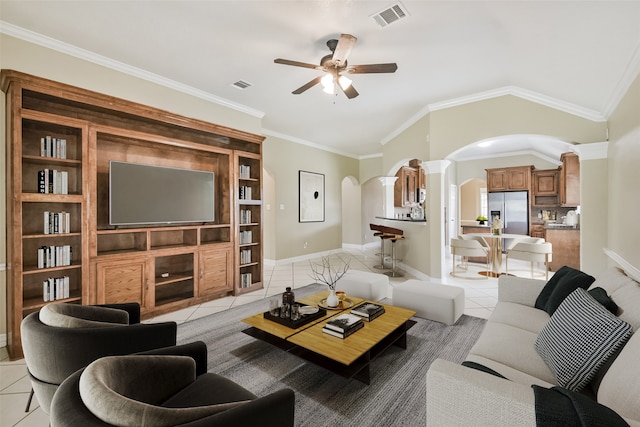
(456, 127)
(370, 167)
(624, 177)
(470, 203)
(351, 212)
(412, 143)
(594, 216)
(285, 159)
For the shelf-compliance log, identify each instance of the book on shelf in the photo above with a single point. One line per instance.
(55, 288)
(344, 334)
(245, 171)
(51, 181)
(57, 222)
(53, 147)
(245, 280)
(368, 310)
(245, 192)
(344, 322)
(245, 256)
(54, 256)
(245, 216)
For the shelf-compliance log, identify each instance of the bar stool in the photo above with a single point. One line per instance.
(378, 233)
(394, 238)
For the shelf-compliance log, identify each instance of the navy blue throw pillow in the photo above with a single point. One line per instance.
(561, 284)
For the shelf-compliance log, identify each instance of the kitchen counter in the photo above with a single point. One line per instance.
(556, 226)
(403, 219)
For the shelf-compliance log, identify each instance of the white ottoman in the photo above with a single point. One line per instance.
(364, 284)
(442, 303)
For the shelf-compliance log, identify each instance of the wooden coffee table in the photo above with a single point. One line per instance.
(349, 357)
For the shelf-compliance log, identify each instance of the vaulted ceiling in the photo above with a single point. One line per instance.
(577, 56)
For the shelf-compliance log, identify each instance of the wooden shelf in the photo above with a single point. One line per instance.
(125, 264)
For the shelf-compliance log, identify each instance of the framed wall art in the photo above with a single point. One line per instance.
(310, 197)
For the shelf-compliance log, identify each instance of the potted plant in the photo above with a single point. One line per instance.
(481, 219)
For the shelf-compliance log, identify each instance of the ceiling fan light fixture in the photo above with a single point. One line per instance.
(344, 82)
(331, 90)
(327, 81)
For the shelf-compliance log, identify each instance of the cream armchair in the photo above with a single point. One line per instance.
(532, 252)
(466, 248)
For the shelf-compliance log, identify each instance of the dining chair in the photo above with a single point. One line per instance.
(466, 248)
(533, 252)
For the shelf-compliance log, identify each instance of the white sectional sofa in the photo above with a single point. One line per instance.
(460, 396)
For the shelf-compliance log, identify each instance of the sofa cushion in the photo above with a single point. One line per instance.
(579, 338)
(563, 282)
(513, 347)
(521, 316)
(63, 315)
(624, 291)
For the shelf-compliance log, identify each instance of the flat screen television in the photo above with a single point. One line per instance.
(144, 194)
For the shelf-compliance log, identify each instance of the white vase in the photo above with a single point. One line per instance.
(332, 299)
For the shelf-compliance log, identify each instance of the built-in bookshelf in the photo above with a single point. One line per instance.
(249, 230)
(60, 244)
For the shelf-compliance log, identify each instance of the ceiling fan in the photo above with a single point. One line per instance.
(334, 64)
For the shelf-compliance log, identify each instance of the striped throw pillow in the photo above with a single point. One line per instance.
(579, 338)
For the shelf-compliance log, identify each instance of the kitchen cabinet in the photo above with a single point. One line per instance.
(570, 180)
(509, 179)
(565, 246)
(404, 193)
(546, 187)
(537, 230)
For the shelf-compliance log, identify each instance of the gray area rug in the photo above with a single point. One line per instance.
(395, 397)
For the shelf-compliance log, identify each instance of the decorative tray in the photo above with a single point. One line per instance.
(346, 303)
(294, 324)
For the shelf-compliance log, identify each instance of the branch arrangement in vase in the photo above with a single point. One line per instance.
(328, 274)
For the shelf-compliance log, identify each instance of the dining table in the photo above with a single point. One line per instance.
(495, 242)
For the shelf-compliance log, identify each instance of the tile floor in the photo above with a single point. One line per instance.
(481, 298)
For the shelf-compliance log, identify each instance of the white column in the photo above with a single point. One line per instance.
(388, 183)
(434, 212)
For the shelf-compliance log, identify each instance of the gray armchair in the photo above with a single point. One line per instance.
(171, 389)
(62, 338)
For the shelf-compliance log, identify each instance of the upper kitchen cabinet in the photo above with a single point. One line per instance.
(509, 179)
(404, 193)
(546, 187)
(570, 180)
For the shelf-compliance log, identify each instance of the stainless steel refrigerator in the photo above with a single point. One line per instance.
(512, 207)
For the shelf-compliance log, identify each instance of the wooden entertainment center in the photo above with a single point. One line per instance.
(163, 267)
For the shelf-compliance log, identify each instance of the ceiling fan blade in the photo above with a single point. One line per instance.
(343, 49)
(296, 63)
(307, 86)
(373, 68)
(350, 91)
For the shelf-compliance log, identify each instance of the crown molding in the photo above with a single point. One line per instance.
(631, 72)
(528, 95)
(406, 125)
(301, 141)
(592, 151)
(48, 42)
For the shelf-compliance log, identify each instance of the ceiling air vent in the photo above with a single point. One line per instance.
(391, 14)
(241, 84)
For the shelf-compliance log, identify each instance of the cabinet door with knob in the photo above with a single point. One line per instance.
(215, 269)
(121, 281)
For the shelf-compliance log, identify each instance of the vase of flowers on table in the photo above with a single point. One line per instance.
(497, 226)
(329, 275)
